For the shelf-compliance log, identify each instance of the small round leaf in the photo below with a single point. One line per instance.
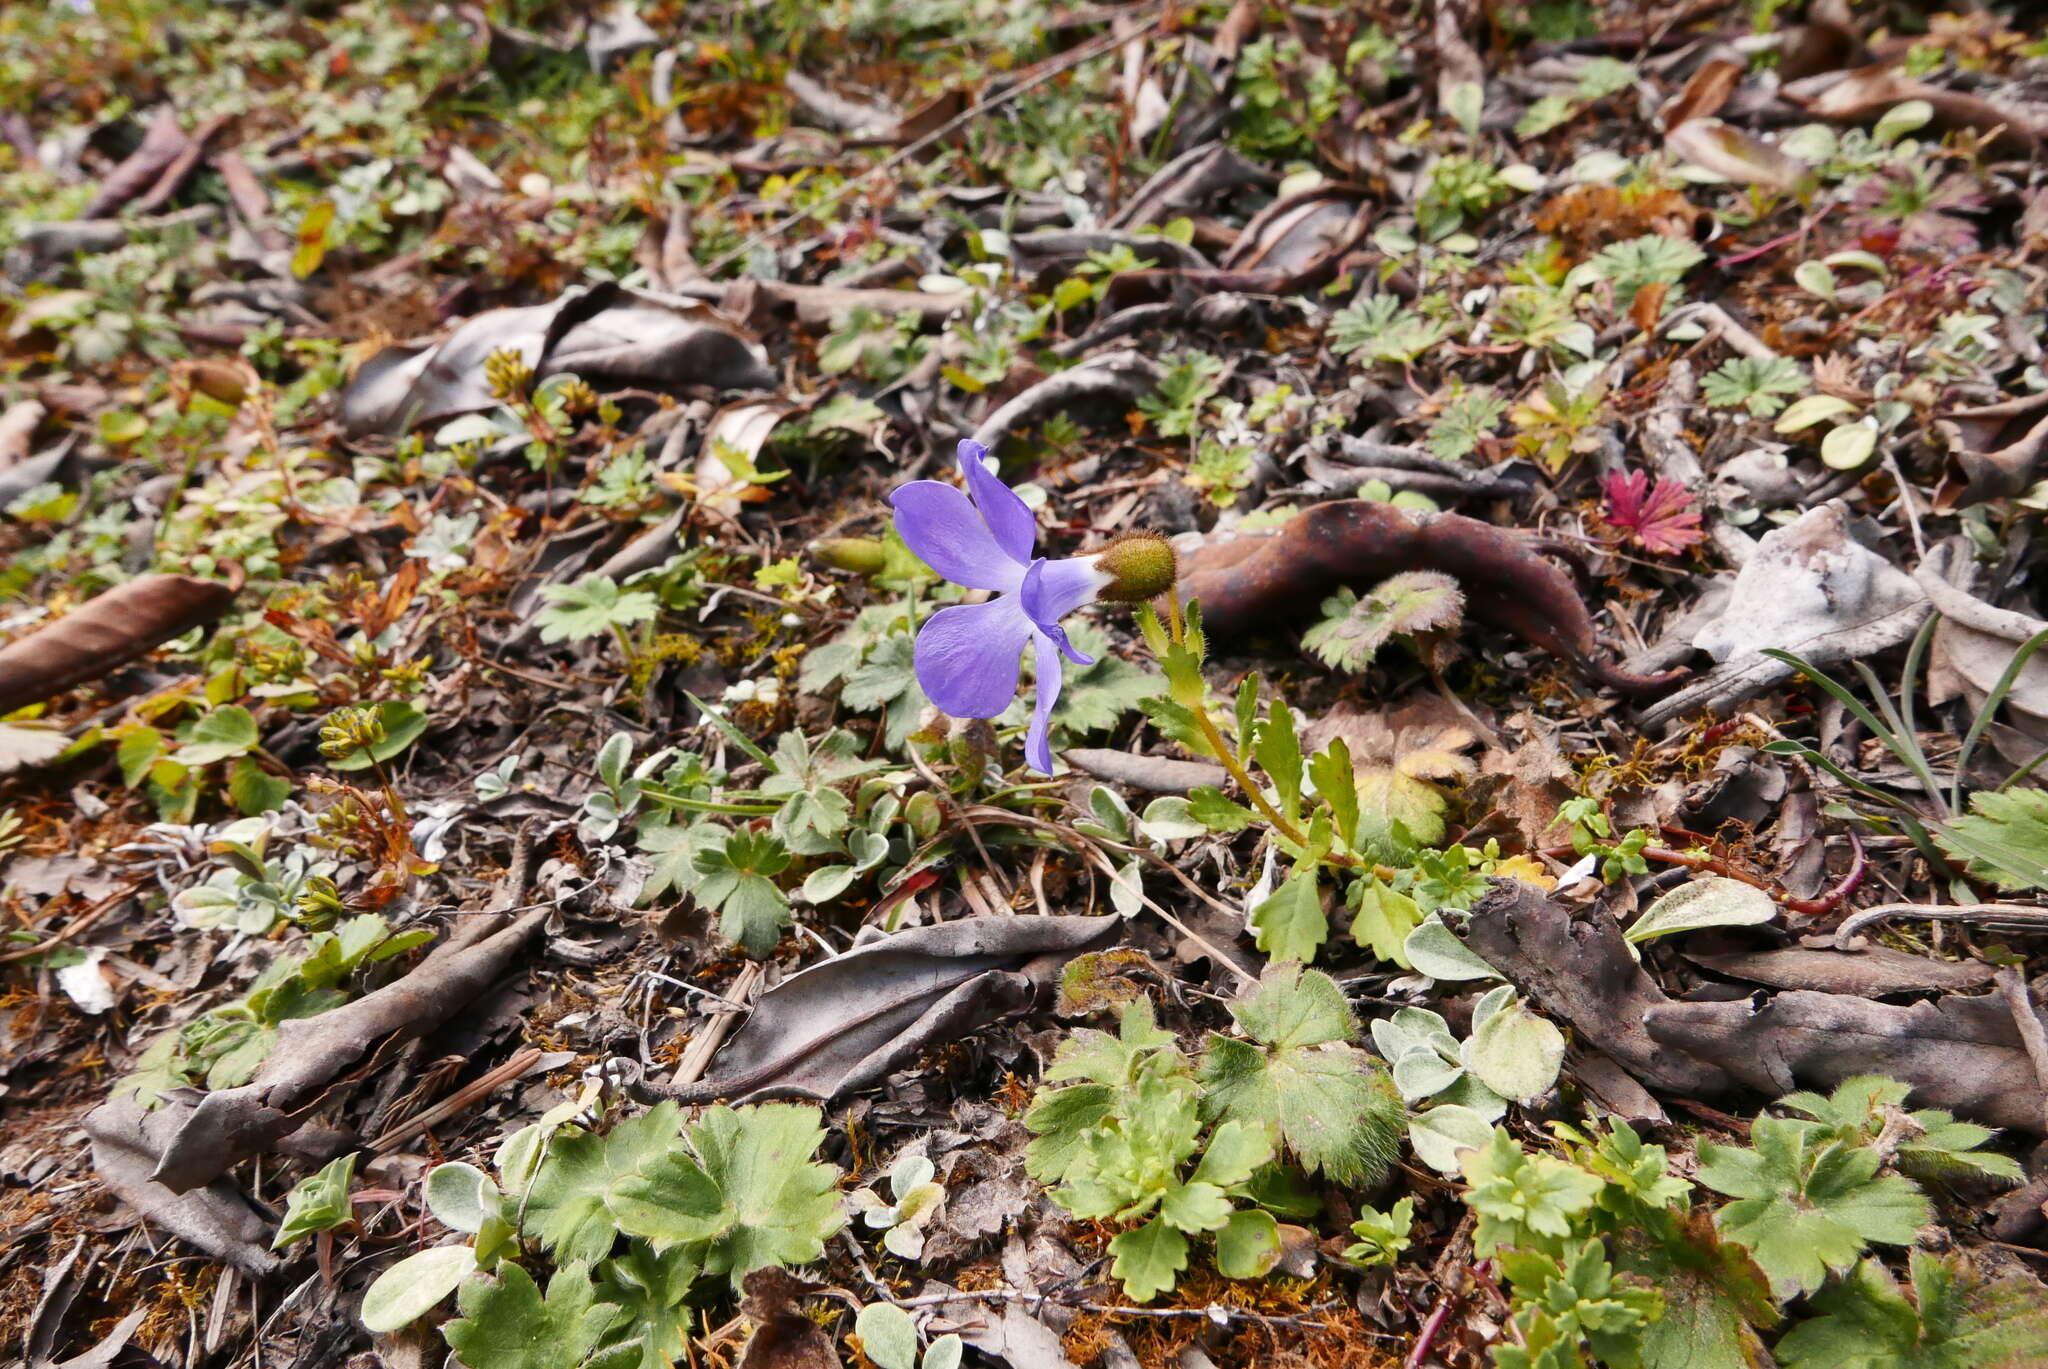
(1248, 1246)
(943, 1353)
(461, 1195)
(1848, 446)
(1516, 1053)
(887, 1336)
(1439, 1134)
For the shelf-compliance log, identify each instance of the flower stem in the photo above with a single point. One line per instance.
(1228, 755)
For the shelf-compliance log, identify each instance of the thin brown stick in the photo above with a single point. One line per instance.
(1170, 920)
(697, 1056)
(1993, 914)
(2012, 982)
(75, 926)
(1213, 1312)
(463, 1098)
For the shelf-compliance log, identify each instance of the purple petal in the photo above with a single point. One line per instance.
(1037, 742)
(1016, 531)
(967, 657)
(940, 524)
(1052, 589)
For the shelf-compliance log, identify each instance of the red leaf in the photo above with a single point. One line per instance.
(1658, 519)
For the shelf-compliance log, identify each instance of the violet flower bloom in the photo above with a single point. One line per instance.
(968, 656)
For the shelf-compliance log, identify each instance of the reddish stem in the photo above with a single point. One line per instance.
(1427, 1338)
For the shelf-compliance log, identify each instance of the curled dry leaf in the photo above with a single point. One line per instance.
(1810, 588)
(1298, 233)
(1959, 1053)
(230, 1125)
(1117, 379)
(846, 1024)
(607, 335)
(784, 1338)
(162, 145)
(17, 427)
(216, 1218)
(1972, 647)
(1294, 245)
(179, 169)
(1993, 451)
(1868, 973)
(1582, 972)
(840, 113)
(1703, 96)
(1188, 182)
(1152, 774)
(120, 626)
(1252, 582)
(739, 431)
(1734, 155)
(1868, 93)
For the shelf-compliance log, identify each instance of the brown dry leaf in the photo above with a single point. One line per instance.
(739, 431)
(1296, 234)
(933, 115)
(1257, 582)
(122, 625)
(1959, 1053)
(230, 1125)
(1115, 381)
(1703, 95)
(1835, 374)
(1867, 93)
(1868, 973)
(1525, 786)
(1648, 305)
(1817, 46)
(607, 335)
(161, 146)
(17, 428)
(216, 1217)
(1151, 774)
(784, 1338)
(1582, 972)
(1811, 587)
(1737, 156)
(1424, 738)
(1973, 645)
(1993, 451)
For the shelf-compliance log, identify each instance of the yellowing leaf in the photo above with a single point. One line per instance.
(312, 241)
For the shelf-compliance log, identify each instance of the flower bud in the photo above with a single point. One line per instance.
(1141, 566)
(861, 555)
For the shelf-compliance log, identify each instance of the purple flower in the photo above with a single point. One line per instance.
(968, 656)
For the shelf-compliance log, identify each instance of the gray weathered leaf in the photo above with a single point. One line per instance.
(606, 335)
(1810, 588)
(846, 1024)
